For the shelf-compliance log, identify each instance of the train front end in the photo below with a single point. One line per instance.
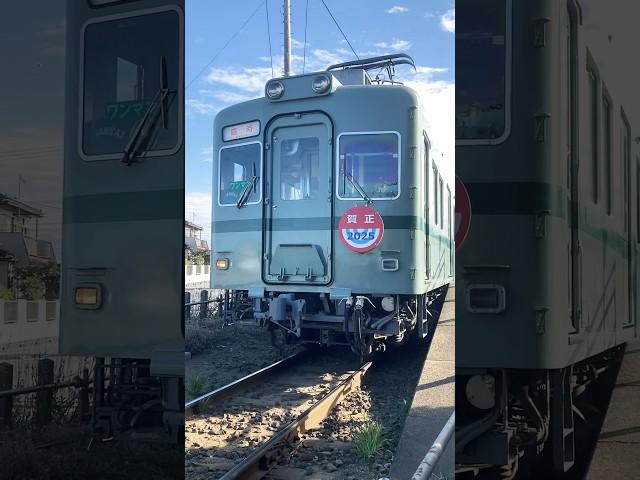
(316, 210)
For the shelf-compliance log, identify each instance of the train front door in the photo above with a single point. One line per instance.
(298, 203)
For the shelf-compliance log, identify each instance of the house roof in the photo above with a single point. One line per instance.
(188, 224)
(17, 206)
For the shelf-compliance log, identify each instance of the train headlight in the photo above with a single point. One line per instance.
(481, 391)
(88, 296)
(388, 304)
(275, 89)
(321, 83)
(222, 264)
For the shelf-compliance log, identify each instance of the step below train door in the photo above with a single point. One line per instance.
(298, 204)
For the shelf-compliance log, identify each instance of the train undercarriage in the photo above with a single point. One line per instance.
(365, 323)
(512, 422)
(129, 401)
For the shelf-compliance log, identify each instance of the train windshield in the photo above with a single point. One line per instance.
(372, 161)
(123, 69)
(239, 164)
(299, 168)
(481, 43)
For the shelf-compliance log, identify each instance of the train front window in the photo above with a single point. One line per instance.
(481, 75)
(299, 165)
(126, 63)
(372, 161)
(238, 166)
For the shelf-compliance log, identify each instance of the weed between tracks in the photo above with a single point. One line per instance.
(369, 438)
(195, 385)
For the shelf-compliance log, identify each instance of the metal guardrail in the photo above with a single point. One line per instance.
(431, 459)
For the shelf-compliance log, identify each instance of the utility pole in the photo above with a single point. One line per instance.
(287, 38)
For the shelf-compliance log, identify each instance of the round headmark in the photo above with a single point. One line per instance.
(361, 229)
(462, 212)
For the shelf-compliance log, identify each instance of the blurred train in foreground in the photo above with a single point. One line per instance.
(331, 221)
(122, 278)
(547, 275)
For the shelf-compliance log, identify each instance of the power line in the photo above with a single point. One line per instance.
(237, 32)
(306, 16)
(338, 25)
(266, 7)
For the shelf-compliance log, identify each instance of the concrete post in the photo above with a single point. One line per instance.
(6, 403)
(44, 398)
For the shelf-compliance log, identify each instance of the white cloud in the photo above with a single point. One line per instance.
(397, 9)
(227, 96)
(429, 15)
(207, 154)
(395, 44)
(201, 107)
(197, 209)
(448, 21)
(249, 79)
(297, 43)
(437, 98)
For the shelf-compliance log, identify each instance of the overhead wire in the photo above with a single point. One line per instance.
(338, 25)
(266, 7)
(236, 33)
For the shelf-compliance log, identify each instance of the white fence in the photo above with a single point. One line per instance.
(196, 276)
(26, 320)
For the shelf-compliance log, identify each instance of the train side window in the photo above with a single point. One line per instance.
(126, 63)
(299, 164)
(594, 130)
(638, 200)
(483, 47)
(238, 165)
(625, 151)
(441, 203)
(372, 161)
(608, 146)
(436, 210)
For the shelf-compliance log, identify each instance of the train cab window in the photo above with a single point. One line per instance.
(240, 168)
(482, 86)
(371, 162)
(131, 67)
(299, 165)
(608, 145)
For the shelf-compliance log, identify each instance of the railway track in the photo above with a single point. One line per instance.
(242, 430)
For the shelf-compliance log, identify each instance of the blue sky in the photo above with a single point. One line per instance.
(423, 29)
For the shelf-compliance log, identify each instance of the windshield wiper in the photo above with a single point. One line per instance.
(358, 187)
(159, 99)
(249, 188)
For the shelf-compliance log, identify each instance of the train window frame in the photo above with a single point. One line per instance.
(508, 86)
(625, 155)
(179, 93)
(261, 176)
(337, 171)
(637, 200)
(607, 145)
(593, 124)
(435, 195)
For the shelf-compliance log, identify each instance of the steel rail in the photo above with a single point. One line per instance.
(261, 460)
(219, 394)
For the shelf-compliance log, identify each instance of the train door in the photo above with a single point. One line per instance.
(426, 204)
(572, 159)
(123, 214)
(298, 203)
